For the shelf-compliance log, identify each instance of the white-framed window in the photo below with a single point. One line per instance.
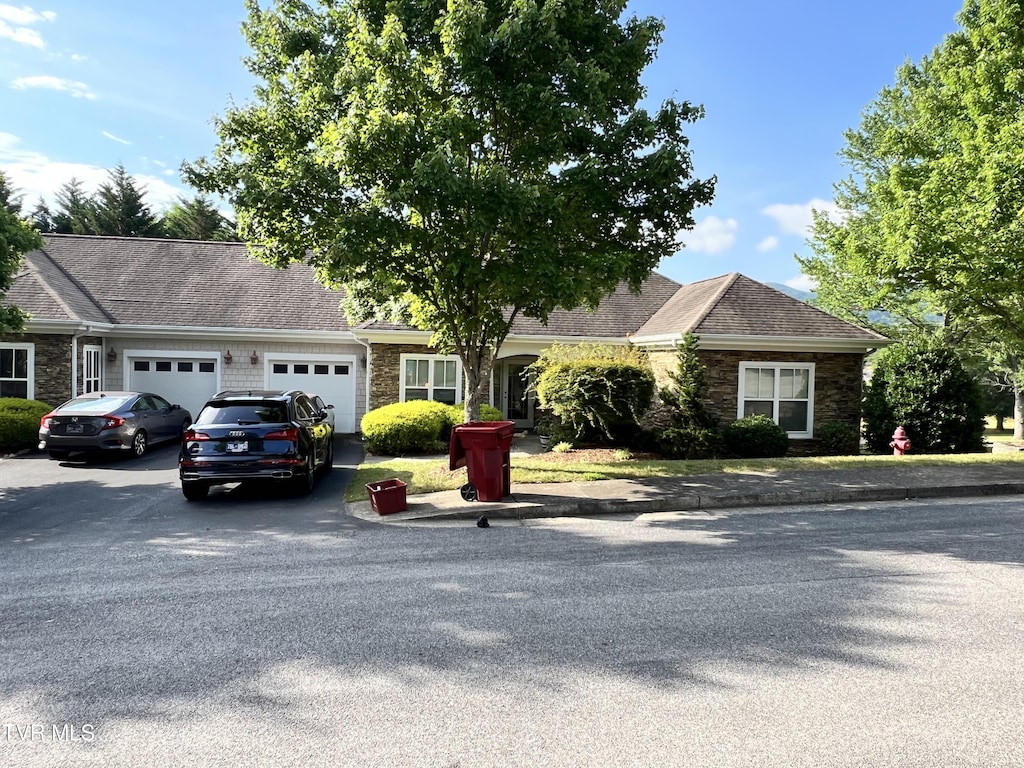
(92, 368)
(782, 391)
(16, 364)
(431, 377)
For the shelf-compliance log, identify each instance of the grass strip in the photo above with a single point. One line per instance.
(427, 475)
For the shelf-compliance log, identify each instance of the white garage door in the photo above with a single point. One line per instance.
(334, 379)
(186, 381)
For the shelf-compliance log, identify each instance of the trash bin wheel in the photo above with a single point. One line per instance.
(468, 492)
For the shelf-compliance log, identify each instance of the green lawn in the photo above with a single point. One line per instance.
(428, 475)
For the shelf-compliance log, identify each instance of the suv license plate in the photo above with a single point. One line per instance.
(238, 447)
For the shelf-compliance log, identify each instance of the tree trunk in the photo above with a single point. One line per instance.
(999, 422)
(476, 367)
(1018, 411)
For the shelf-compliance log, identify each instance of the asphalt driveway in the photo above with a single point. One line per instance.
(137, 629)
(40, 498)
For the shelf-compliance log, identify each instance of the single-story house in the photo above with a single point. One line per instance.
(186, 319)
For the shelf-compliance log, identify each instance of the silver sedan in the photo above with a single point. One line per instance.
(111, 421)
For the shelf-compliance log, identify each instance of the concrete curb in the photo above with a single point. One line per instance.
(529, 507)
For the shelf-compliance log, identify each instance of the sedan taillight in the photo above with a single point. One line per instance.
(44, 423)
(112, 422)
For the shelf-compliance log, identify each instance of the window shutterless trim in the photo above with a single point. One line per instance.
(741, 398)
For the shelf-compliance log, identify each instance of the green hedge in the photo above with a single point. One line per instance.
(19, 422)
(418, 426)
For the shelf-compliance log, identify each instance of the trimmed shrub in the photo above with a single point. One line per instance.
(457, 414)
(412, 427)
(690, 443)
(839, 439)
(922, 385)
(19, 422)
(418, 426)
(755, 437)
(598, 392)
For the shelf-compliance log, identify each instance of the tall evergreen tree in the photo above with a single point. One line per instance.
(119, 208)
(74, 210)
(41, 217)
(10, 200)
(197, 219)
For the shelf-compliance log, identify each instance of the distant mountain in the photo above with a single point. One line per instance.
(875, 316)
(796, 293)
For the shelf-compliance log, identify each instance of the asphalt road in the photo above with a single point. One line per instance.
(137, 629)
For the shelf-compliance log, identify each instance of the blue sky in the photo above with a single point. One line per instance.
(85, 86)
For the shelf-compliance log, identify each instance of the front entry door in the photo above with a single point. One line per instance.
(518, 398)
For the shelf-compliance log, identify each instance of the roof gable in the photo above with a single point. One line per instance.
(735, 305)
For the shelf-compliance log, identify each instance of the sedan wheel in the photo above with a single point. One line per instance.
(139, 444)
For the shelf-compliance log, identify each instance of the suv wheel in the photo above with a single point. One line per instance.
(304, 482)
(195, 491)
(329, 463)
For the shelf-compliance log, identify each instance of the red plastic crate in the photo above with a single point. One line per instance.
(387, 496)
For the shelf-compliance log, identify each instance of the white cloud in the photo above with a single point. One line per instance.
(15, 22)
(712, 235)
(22, 35)
(75, 88)
(802, 283)
(79, 57)
(37, 176)
(112, 137)
(797, 218)
(24, 16)
(768, 244)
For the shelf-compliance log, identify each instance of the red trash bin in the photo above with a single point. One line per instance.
(483, 447)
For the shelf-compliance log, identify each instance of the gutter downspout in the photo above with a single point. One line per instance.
(366, 376)
(74, 359)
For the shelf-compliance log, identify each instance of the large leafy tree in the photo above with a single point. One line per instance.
(934, 207)
(197, 219)
(478, 160)
(17, 237)
(119, 208)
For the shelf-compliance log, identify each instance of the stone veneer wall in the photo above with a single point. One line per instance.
(52, 383)
(838, 379)
(385, 371)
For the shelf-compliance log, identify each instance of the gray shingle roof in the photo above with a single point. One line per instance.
(618, 315)
(735, 305)
(142, 281)
(186, 283)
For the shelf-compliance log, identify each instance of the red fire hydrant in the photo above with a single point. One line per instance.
(900, 442)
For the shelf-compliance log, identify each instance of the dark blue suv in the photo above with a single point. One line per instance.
(255, 435)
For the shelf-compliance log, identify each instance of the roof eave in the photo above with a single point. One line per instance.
(765, 343)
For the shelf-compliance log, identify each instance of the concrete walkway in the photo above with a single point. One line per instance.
(713, 491)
